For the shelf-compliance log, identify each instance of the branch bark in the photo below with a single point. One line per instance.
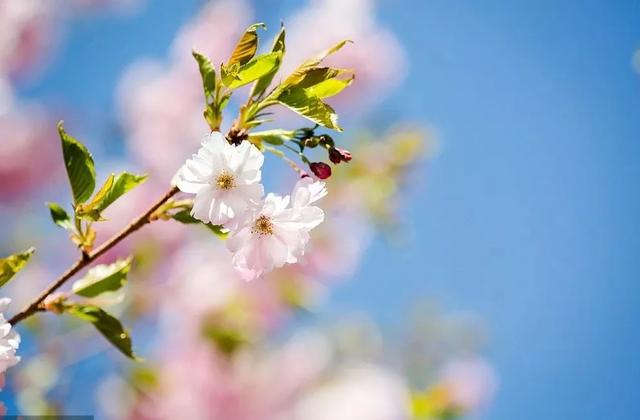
(86, 259)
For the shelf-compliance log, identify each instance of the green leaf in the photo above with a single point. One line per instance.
(184, 216)
(106, 324)
(275, 137)
(12, 264)
(113, 188)
(122, 184)
(263, 83)
(251, 71)
(310, 63)
(310, 106)
(103, 278)
(330, 87)
(89, 211)
(79, 165)
(208, 74)
(60, 216)
(247, 45)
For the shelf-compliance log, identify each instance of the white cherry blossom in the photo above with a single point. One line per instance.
(225, 179)
(9, 340)
(277, 232)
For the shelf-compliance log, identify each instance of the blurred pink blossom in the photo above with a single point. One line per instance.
(29, 152)
(470, 382)
(26, 34)
(377, 57)
(162, 104)
(257, 384)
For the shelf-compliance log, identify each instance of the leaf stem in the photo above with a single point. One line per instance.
(88, 258)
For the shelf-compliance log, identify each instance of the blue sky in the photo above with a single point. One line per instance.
(528, 216)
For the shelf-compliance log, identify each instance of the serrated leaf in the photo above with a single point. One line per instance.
(247, 45)
(208, 74)
(89, 210)
(79, 164)
(109, 326)
(12, 264)
(184, 216)
(310, 107)
(122, 184)
(310, 63)
(251, 71)
(60, 216)
(278, 47)
(103, 278)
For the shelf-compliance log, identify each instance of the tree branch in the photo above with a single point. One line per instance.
(87, 258)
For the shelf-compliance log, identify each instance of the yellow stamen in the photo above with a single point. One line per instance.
(263, 226)
(225, 181)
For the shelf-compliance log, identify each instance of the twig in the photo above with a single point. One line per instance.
(88, 258)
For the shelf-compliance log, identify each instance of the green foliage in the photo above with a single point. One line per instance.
(106, 324)
(79, 164)
(12, 264)
(184, 216)
(303, 90)
(122, 184)
(310, 106)
(263, 83)
(208, 74)
(112, 189)
(275, 137)
(60, 216)
(103, 278)
(236, 76)
(247, 45)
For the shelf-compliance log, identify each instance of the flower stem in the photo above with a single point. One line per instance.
(90, 257)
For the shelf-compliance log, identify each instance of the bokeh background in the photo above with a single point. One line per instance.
(517, 219)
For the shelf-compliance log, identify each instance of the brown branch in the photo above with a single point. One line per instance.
(88, 258)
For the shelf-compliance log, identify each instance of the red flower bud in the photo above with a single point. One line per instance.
(337, 155)
(320, 169)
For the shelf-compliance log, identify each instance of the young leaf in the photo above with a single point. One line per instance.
(263, 83)
(79, 165)
(89, 210)
(184, 216)
(208, 74)
(330, 87)
(12, 264)
(60, 216)
(247, 45)
(106, 324)
(275, 137)
(310, 63)
(122, 184)
(310, 107)
(103, 278)
(251, 71)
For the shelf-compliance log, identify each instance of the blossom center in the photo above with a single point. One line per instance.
(262, 226)
(225, 181)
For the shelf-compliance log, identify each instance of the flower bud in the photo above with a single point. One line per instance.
(320, 169)
(337, 155)
(55, 303)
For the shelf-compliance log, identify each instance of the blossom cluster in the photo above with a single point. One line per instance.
(265, 232)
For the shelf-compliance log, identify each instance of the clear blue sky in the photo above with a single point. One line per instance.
(529, 217)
